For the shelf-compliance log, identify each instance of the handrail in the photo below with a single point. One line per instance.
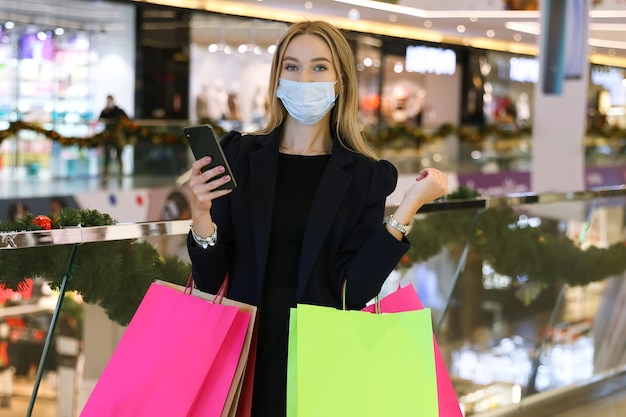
(121, 231)
(78, 235)
(511, 200)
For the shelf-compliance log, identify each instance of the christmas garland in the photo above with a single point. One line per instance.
(402, 134)
(533, 257)
(117, 274)
(416, 136)
(125, 130)
(114, 274)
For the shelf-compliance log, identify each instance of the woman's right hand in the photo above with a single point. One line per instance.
(203, 187)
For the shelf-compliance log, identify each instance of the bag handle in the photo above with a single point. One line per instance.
(221, 293)
(343, 297)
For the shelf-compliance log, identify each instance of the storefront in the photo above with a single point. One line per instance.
(54, 78)
(406, 90)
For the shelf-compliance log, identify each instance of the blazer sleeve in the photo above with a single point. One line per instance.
(209, 266)
(378, 251)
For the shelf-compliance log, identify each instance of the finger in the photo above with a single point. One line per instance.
(211, 174)
(215, 183)
(199, 164)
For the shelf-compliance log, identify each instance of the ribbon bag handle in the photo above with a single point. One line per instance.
(221, 293)
(343, 297)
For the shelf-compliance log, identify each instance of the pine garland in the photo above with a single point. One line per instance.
(125, 130)
(538, 257)
(114, 274)
(117, 274)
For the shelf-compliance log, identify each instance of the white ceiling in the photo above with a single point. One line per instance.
(435, 20)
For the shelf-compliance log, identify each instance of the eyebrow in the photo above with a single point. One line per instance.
(319, 59)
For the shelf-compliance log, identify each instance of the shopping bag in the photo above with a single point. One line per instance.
(175, 351)
(353, 363)
(239, 399)
(406, 299)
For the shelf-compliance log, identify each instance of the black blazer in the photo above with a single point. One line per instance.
(344, 237)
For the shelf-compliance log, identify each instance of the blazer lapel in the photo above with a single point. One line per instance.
(332, 187)
(264, 169)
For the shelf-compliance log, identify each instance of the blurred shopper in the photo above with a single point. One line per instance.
(112, 116)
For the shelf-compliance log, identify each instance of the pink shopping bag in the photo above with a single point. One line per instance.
(177, 349)
(406, 299)
(239, 399)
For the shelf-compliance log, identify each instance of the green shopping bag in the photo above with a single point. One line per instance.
(353, 363)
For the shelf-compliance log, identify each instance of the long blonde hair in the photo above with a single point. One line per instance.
(344, 113)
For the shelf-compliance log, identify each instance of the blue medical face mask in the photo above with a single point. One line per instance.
(308, 102)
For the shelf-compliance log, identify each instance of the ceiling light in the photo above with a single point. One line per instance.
(460, 28)
(491, 33)
(604, 43)
(517, 37)
(354, 14)
(527, 27)
(393, 18)
(609, 27)
(442, 14)
(606, 14)
(428, 23)
(308, 5)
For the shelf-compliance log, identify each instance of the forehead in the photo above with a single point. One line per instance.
(307, 47)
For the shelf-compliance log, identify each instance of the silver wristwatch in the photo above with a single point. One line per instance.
(402, 228)
(205, 242)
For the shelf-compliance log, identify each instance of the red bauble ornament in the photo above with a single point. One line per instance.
(43, 221)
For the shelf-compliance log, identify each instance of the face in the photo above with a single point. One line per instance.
(308, 59)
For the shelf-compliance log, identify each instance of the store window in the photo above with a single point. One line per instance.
(369, 70)
(54, 74)
(421, 84)
(230, 60)
(508, 83)
(607, 97)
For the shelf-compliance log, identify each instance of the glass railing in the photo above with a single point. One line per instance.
(525, 293)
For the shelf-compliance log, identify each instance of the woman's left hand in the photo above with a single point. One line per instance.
(430, 184)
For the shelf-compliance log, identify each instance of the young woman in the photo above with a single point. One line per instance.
(308, 210)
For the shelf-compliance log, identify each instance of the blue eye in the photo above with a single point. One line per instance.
(291, 67)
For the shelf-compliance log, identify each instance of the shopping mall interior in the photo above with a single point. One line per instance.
(521, 266)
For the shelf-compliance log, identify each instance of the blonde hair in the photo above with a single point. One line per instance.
(344, 113)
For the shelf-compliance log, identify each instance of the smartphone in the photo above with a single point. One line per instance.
(203, 142)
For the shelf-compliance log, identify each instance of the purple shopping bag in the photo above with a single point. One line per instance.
(174, 343)
(406, 299)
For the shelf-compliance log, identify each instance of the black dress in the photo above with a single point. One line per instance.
(298, 178)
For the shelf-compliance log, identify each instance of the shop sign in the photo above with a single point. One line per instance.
(524, 70)
(427, 60)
